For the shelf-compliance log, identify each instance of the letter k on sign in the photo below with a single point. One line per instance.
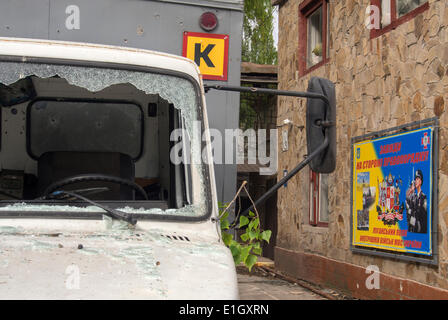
(204, 55)
(210, 52)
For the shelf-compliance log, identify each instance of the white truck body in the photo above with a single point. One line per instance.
(65, 257)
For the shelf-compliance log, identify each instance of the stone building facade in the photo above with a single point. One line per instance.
(384, 78)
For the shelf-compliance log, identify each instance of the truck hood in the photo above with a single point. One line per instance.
(113, 264)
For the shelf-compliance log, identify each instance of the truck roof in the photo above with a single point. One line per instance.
(220, 4)
(89, 52)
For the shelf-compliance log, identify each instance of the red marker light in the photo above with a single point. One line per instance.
(208, 21)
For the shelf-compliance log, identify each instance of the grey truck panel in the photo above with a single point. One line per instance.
(155, 25)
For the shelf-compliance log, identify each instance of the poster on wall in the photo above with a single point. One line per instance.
(392, 192)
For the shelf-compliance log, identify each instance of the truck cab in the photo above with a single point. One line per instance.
(107, 187)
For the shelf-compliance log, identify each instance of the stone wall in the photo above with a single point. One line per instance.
(396, 78)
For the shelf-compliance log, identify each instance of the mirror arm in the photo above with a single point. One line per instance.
(269, 91)
(325, 124)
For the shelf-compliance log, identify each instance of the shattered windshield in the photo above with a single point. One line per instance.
(123, 138)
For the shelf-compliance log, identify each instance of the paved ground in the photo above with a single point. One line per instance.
(259, 287)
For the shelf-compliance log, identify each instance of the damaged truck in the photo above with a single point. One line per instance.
(94, 202)
(107, 187)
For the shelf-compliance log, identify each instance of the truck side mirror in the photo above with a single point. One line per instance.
(321, 123)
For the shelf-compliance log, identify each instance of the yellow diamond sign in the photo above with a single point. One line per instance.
(210, 52)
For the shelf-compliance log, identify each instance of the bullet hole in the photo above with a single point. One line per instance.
(341, 221)
(140, 30)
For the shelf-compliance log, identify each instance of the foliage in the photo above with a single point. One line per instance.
(248, 248)
(258, 41)
(248, 116)
(257, 47)
(253, 108)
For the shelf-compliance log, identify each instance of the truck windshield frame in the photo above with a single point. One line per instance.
(202, 210)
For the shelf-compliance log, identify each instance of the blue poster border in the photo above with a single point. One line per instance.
(398, 255)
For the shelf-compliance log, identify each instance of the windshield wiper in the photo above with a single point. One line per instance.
(82, 192)
(109, 211)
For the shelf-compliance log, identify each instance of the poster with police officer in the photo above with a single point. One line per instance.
(392, 190)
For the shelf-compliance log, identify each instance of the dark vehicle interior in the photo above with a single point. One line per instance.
(112, 145)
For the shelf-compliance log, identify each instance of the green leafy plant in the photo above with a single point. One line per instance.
(248, 248)
(258, 44)
(318, 50)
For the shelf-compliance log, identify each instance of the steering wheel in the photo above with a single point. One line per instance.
(93, 177)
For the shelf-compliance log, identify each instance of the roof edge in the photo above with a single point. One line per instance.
(278, 2)
(236, 5)
(68, 50)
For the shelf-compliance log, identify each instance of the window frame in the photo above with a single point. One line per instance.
(395, 20)
(315, 200)
(306, 9)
